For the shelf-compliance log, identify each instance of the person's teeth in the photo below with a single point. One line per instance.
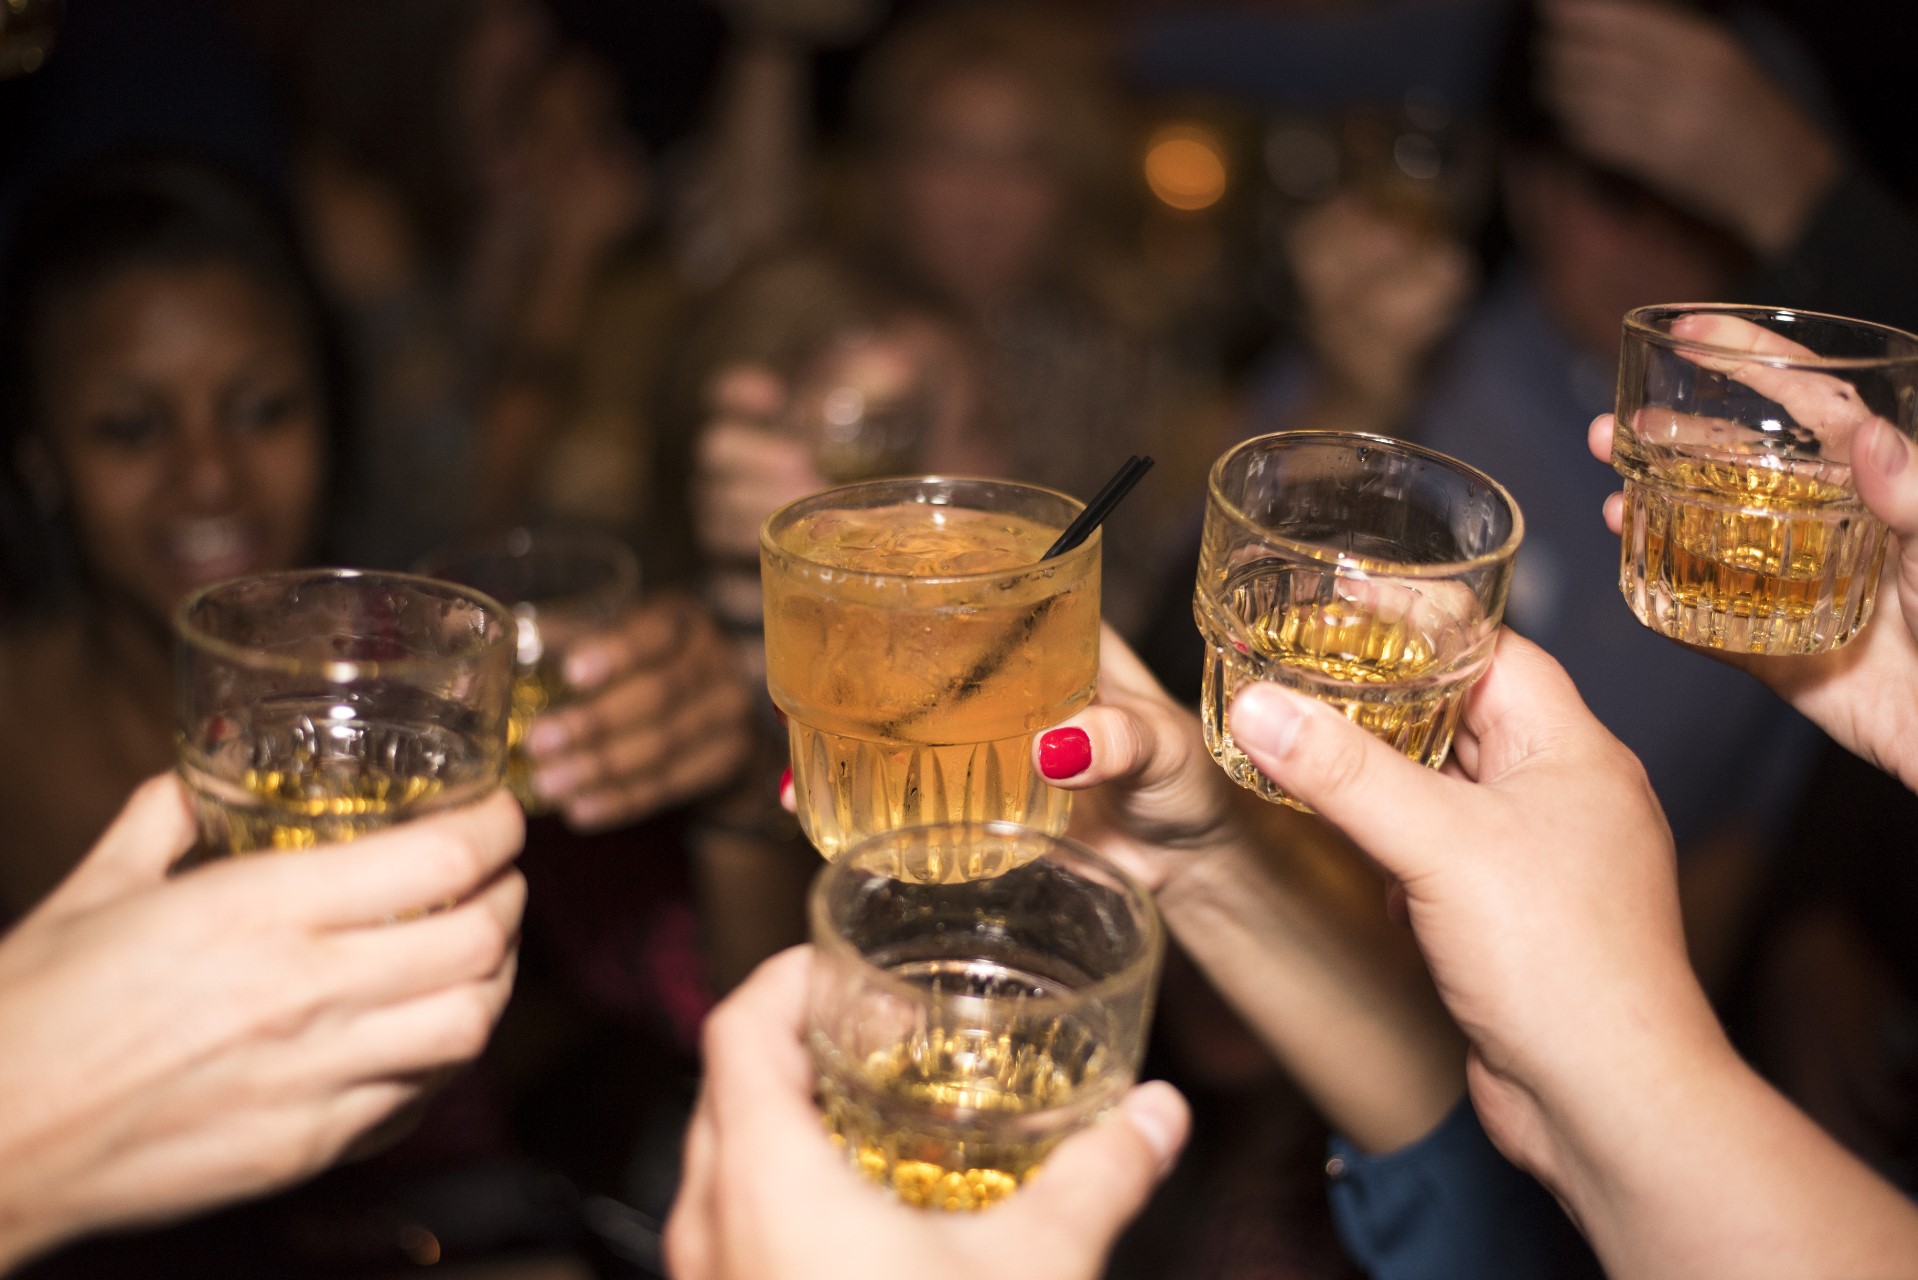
(209, 540)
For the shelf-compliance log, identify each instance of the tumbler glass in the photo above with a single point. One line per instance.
(916, 642)
(979, 993)
(316, 706)
(1743, 529)
(560, 586)
(1365, 572)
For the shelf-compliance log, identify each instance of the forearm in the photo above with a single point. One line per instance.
(1694, 1166)
(1331, 987)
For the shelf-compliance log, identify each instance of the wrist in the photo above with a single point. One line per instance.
(1600, 1111)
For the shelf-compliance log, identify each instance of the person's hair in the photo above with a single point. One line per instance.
(118, 214)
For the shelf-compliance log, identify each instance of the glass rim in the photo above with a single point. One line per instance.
(769, 545)
(337, 670)
(1505, 551)
(623, 561)
(1138, 968)
(1639, 324)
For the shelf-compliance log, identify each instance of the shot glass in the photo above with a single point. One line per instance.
(316, 706)
(1365, 572)
(1743, 530)
(560, 586)
(962, 1025)
(916, 642)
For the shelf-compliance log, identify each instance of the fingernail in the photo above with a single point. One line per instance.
(1157, 1114)
(1888, 450)
(547, 737)
(587, 668)
(1064, 753)
(1266, 717)
(785, 779)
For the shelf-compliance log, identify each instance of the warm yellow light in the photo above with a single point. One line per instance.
(1185, 166)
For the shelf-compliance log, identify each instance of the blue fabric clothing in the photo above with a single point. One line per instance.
(1450, 1207)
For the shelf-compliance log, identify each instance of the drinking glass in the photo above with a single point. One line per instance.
(560, 586)
(316, 706)
(1365, 572)
(1743, 529)
(979, 992)
(865, 401)
(916, 642)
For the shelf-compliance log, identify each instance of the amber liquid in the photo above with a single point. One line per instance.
(297, 776)
(535, 690)
(958, 1118)
(1392, 674)
(912, 704)
(1751, 554)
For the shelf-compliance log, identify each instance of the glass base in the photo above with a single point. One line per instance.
(850, 788)
(1747, 580)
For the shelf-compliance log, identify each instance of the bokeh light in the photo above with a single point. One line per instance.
(1185, 166)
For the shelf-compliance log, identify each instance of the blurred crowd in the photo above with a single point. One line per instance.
(341, 281)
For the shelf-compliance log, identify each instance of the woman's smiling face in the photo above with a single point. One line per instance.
(182, 415)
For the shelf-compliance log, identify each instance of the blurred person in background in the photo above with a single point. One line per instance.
(172, 420)
(987, 186)
(462, 178)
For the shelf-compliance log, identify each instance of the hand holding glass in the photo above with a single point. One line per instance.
(560, 587)
(1743, 530)
(1366, 572)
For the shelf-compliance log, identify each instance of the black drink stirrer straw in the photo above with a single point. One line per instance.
(1129, 474)
(1075, 533)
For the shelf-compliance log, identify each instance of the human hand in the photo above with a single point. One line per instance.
(1865, 695)
(1152, 801)
(1672, 99)
(1287, 922)
(1539, 878)
(766, 1196)
(746, 468)
(175, 1044)
(662, 714)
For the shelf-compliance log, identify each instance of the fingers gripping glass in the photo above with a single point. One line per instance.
(1362, 571)
(1743, 529)
(560, 587)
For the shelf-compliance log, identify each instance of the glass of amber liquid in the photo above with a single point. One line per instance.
(560, 586)
(1366, 572)
(979, 992)
(317, 706)
(916, 642)
(1743, 530)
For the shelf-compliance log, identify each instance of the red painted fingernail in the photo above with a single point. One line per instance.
(785, 779)
(1064, 753)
